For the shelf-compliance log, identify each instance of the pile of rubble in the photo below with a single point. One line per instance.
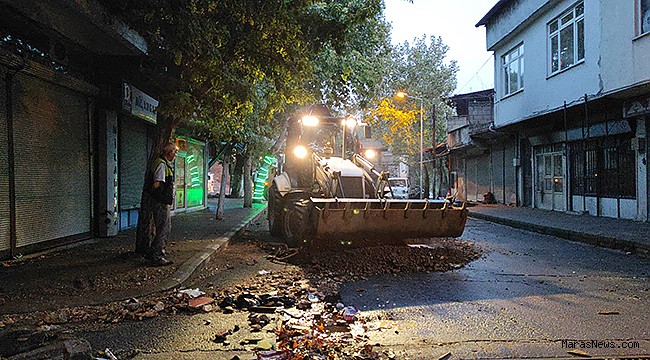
(297, 312)
(302, 323)
(377, 260)
(302, 308)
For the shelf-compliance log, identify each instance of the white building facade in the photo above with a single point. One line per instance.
(572, 81)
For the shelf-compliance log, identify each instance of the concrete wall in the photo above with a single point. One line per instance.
(624, 55)
(481, 114)
(512, 18)
(543, 93)
(607, 207)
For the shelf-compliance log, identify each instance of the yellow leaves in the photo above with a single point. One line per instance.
(345, 75)
(398, 126)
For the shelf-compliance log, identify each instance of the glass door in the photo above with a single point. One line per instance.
(179, 181)
(549, 194)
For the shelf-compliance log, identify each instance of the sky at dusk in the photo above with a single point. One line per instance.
(454, 21)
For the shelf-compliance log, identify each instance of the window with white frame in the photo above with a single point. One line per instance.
(512, 65)
(566, 35)
(644, 16)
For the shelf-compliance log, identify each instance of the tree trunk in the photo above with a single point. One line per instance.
(236, 178)
(248, 181)
(222, 189)
(145, 229)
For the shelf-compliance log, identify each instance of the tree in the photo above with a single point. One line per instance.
(350, 74)
(238, 67)
(225, 163)
(420, 70)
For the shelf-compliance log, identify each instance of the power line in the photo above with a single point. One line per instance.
(475, 74)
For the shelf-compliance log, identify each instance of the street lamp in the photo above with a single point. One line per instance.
(402, 95)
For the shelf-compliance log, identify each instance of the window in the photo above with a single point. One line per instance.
(513, 70)
(644, 16)
(603, 167)
(566, 35)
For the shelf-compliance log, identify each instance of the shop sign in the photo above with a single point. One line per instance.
(139, 104)
(636, 107)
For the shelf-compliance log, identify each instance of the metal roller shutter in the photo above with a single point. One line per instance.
(4, 168)
(53, 198)
(511, 175)
(497, 173)
(133, 161)
(472, 180)
(483, 176)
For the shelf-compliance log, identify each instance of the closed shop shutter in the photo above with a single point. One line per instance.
(483, 175)
(472, 180)
(53, 198)
(511, 174)
(497, 174)
(132, 162)
(4, 168)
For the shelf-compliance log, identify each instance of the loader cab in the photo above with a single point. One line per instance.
(400, 187)
(319, 132)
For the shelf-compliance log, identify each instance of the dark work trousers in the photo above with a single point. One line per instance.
(162, 220)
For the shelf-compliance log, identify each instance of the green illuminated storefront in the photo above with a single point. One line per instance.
(190, 175)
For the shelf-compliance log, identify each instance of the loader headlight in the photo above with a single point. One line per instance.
(349, 122)
(370, 154)
(300, 152)
(310, 120)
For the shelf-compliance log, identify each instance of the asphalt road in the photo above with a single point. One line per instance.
(530, 295)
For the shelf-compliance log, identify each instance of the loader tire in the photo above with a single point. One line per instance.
(275, 211)
(294, 224)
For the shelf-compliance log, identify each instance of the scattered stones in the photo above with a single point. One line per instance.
(199, 302)
(294, 313)
(160, 306)
(265, 344)
(221, 336)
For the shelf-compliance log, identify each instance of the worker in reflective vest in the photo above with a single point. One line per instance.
(161, 188)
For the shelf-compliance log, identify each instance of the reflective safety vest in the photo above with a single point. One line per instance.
(165, 193)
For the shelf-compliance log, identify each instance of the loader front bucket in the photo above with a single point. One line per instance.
(376, 222)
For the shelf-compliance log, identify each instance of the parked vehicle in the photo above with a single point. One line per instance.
(399, 187)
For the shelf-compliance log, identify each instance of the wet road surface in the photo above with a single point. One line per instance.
(530, 295)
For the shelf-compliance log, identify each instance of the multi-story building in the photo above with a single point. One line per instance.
(77, 119)
(480, 157)
(572, 81)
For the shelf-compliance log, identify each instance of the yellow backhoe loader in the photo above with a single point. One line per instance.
(329, 194)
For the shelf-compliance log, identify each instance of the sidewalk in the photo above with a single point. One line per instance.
(628, 235)
(98, 271)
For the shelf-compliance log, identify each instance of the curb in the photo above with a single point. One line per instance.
(592, 239)
(191, 265)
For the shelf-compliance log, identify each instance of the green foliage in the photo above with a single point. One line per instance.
(349, 73)
(420, 70)
(238, 68)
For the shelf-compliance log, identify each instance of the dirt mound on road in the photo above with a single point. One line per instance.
(437, 255)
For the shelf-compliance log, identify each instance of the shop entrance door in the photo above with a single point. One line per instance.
(179, 181)
(549, 194)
